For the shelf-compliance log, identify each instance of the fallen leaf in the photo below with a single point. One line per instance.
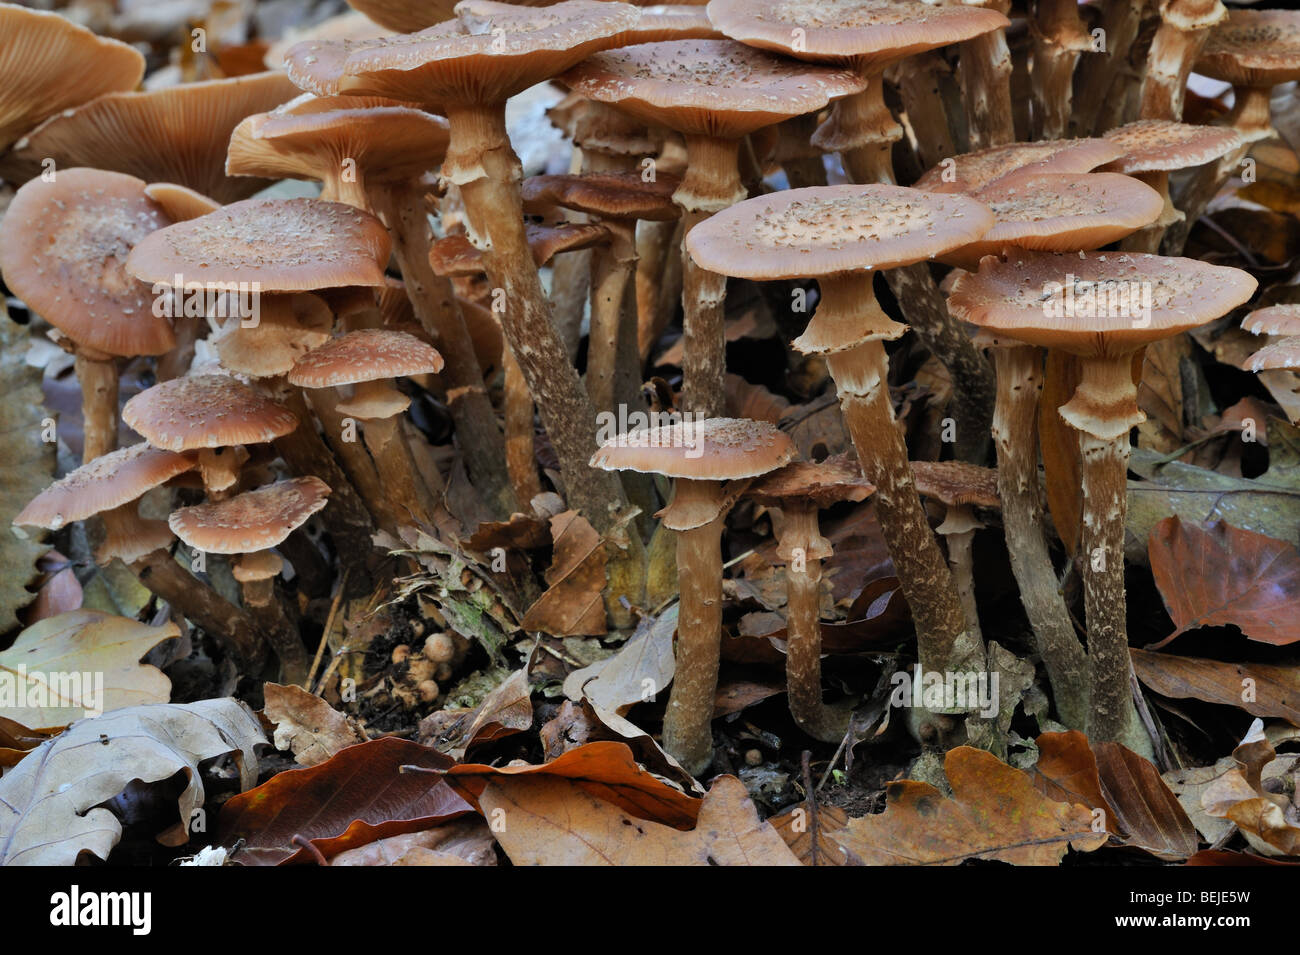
(574, 604)
(307, 725)
(507, 709)
(465, 841)
(811, 836)
(1270, 822)
(1272, 690)
(640, 670)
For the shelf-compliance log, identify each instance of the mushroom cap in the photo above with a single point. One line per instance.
(206, 411)
(285, 245)
(177, 134)
(973, 171)
(1282, 354)
(1158, 145)
(288, 327)
(49, 64)
(610, 195)
(601, 128)
(406, 16)
(259, 565)
(65, 255)
(352, 25)
(825, 230)
(458, 63)
(252, 521)
(108, 481)
(372, 354)
(672, 21)
(1273, 320)
(821, 483)
(180, 203)
(311, 137)
(715, 88)
(955, 483)
(1084, 302)
(712, 449)
(860, 32)
(1253, 48)
(1060, 212)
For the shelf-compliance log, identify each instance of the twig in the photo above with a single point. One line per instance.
(325, 635)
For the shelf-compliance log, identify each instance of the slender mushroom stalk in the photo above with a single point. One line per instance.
(713, 461)
(1107, 74)
(1059, 38)
(840, 235)
(802, 162)
(1147, 298)
(984, 70)
(1185, 27)
(256, 575)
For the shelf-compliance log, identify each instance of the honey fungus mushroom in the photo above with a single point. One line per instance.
(711, 461)
(973, 171)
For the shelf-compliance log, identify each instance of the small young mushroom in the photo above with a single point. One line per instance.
(712, 461)
(1102, 308)
(800, 490)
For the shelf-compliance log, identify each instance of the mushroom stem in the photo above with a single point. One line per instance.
(521, 450)
(962, 565)
(435, 306)
(265, 608)
(658, 281)
(398, 475)
(802, 162)
(803, 647)
(612, 267)
(352, 453)
(1020, 380)
(711, 184)
(98, 379)
(481, 161)
(1108, 70)
(1177, 43)
(984, 71)
(863, 131)
(1147, 238)
(1058, 39)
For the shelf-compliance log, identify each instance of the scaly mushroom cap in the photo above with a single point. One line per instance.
(1158, 145)
(712, 449)
(108, 481)
(973, 171)
(457, 63)
(372, 354)
(601, 128)
(955, 483)
(405, 16)
(285, 245)
(180, 203)
(65, 251)
(708, 87)
(825, 230)
(252, 521)
(1254, 48)
(353, 25)
(311, 138)
(177, 134)
(1283, 354)
(1060, 212)
(673, 21)
(49, 64)
(206, 411)
(852, 32)
(289, 326)
(1273, 320)
(822, 484)
(608, 195)
(455, 255)
(1094, 303)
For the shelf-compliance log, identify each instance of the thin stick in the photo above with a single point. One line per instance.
(325, 635)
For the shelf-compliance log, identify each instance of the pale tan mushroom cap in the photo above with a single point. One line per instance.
(206, 411)
(455, 63)
(259, 565)
(862, 32)
(405, 16)
(372, 354)
(289, 326)
(252, 521)
(672, 21)
(64, 253)
(825, 230)
(1283, 354)
(176, 134)
(180, 203)
(49, 64)
(712, 449)
(601, 128)
(286, 245)
(956, 483)
(352, 25)
(973, 171)
(610, 195)
(1092, 303)
(1254, 48)
(708, 87)
(1273, 320)
(1157, 145)
(108, 481)
(821, 483)
(1060, 212)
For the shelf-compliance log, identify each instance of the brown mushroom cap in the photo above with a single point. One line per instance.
(712, 449)
(108, 481)
(177, 134)
(612, 195)
(825, 230)
(1283, 354)
(1273, 320)
(1157, 145)
(65, 251)
(289, 326)
(455, 63)
(405, 16)
(206, 411)
(252, 521)
(1253, 48)
(708, 87)
(352, 25)
(311, 137)
(1027, 297)
(973, 171)
(372, 354)
(285, 245)
(672, 21)
(861, 33)
(601, 128)
(1060, 212)
(822, 484)
(955, 483)
(49, 64)
(180, 203)
(259, 565)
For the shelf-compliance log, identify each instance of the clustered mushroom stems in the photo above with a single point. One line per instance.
(97, 375)
(386, 440)
(921, 82)
(613, 265)
(518, 410)
(802, 163)
(264, 606)
(1059, 37)
(1184, 29)
(658, 281)
(1106, 76)
(1020, 377)
(1148, 238)
(984, 72)
(355, 459)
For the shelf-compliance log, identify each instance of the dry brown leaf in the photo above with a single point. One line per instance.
(465, 842)
(507, 709)
(307, 725)
(811, 836)
(574, 604)
(1261, 689)
(1269, 821)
